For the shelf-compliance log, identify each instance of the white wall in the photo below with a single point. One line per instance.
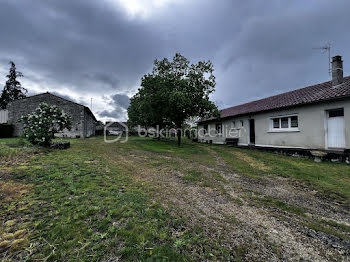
(312, 127)
(3, 116)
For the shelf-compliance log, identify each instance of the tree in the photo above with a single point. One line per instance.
(187, 88)
(148, 105)
(13, 89)
(41, 126)
(174, 92)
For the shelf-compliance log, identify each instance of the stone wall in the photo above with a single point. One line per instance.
(77, 112)
(90, 124)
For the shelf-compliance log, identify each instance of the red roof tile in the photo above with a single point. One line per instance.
(306, 95)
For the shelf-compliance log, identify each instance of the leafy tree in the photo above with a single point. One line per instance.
(13, 89)
(41, 126)
(174, 92)
(136, 113)
(148, 105)
(187, 89)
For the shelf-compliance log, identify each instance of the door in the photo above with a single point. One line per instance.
(252, 131)
(336, 129)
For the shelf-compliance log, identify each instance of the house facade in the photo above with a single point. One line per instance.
(314, 117)
(83, 120)
(116, 128)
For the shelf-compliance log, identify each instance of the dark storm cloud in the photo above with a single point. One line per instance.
(93, 48)
(87, 45)
(64, 96)
(120, 103)
(117, 113)
(121, 100)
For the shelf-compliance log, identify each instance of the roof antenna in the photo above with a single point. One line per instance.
(327, 48)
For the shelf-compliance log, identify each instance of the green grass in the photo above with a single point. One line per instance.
(83, 208)
(270, 201)
(193, 176)
(333, 179)
(344, 228)
(327, 230)
(86, 205)
(10, 147)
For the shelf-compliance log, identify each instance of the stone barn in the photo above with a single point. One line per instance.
(83, 120)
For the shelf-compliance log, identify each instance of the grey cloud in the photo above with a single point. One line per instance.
(72, 39)
(259, 48)
(117, 114)
(64, 96)
(120, 103)
(121, 100)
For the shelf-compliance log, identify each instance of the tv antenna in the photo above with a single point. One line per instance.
(327, 48)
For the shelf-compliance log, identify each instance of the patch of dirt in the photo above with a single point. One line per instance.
(11, 191)
(252, 162)
(267, 233)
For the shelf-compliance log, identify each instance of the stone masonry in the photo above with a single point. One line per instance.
(83, 120)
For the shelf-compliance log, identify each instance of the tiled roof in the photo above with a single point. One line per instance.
(120, 125)
(306, 95)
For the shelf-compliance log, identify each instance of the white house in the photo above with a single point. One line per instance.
(314, 117)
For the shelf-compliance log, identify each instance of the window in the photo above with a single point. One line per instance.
(285, 123)
(294, 121)
(233, 124)
(336, 112)
(242, 123)
(218, 128)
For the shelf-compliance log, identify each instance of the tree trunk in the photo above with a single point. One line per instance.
(178, 137)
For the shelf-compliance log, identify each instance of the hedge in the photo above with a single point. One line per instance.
(6, 130)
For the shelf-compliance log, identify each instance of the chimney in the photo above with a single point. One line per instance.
(337, 71)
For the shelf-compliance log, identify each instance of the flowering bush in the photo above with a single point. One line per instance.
(41, 125)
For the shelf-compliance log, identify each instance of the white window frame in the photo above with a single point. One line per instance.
(280, 129)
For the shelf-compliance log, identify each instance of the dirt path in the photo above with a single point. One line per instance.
(231, 215)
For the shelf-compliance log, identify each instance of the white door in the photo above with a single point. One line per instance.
(336, 129)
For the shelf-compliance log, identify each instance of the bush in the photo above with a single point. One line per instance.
(41, 126)
(6, 130)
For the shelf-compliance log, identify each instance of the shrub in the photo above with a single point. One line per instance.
(41, 125)
(6, 130)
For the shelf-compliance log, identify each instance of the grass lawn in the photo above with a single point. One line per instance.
(99, 202)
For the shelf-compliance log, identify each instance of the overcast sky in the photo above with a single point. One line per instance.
(85, 49)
